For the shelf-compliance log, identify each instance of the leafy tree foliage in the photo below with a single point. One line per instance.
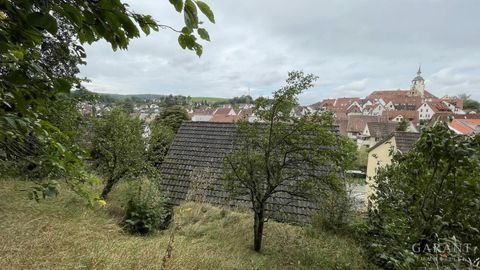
(469, 103)
(362, 158)
(118, 148)
(163, 129)
(283, 153)
(244, 99)
(172, 118)
(40, 46)
(426, 195)
(146, 208)
(159, 142)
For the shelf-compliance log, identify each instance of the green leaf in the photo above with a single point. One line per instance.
(203, 34)
(128, 26)
(62, 85)
(198, 49)
(190, 41)
(72, 13)
(190, 14)
(178, 4)
(182, 42)
(43, 21)
(186, 30)
(206, 10)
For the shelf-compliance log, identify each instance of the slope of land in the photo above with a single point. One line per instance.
(61, 233)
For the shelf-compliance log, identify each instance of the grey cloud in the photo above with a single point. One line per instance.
(354, 47)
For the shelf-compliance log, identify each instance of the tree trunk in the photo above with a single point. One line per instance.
(258, 228)
(108, 187)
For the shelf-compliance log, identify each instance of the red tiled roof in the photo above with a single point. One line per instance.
(204, 111)
(357, 123)
(345, 102)
(323, 103)
(341, 115)
(413, 115)
(465, 126)
(223, 111)
(342, 126)
(438, 106)
(223, 118)
(457, 102)
(394, 94)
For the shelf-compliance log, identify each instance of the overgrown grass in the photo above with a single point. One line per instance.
(61, 233)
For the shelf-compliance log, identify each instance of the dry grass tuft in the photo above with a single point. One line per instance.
(62, 234)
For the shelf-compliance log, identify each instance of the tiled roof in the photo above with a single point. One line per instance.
(438, 106)
(223, 118)
(357, 123)
(323, 103)
(341, 116)
(405, 140)
(345, 102)
(381, 130)
(465, 126)
(203, 111)
(193, 168)
(224, 111)
(406, 114)
(457, 102)
(394, 94)
(342, 125)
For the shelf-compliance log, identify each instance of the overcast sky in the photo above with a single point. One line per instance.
(354, 46)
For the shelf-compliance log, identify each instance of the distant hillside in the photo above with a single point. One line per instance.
(118, 97)
(209, 99)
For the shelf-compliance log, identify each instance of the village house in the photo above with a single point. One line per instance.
(356, 124)
(379, 155)
(428, 109)
(374, 132)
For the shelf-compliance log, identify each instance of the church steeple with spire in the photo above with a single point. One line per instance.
(418, 84)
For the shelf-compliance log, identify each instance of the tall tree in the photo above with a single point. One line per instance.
(118, 147)
(283, 153)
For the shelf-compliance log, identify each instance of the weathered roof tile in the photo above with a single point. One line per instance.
(193, 168)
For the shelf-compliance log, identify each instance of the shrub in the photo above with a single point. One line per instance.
(146, 209)
(335, 211)
(424, 198)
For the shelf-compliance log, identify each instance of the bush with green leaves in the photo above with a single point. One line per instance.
(145, 208)
(335, 211)
(427, 194)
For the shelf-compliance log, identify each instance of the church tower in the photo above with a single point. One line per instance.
(418, 85)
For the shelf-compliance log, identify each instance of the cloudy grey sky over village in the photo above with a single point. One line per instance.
(354, 46)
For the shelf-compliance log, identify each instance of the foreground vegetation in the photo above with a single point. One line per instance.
(60, 233)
